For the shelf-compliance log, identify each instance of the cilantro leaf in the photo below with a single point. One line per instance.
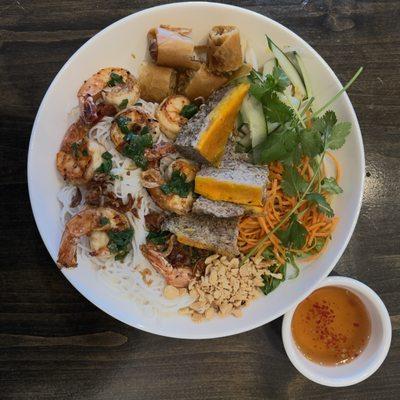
(330, 185)
(266, 85)
(75, 148)
(158, 237)
(123, 104)
(135, 147)
(119, 242)
(275, 110)
(338, 135)
(330, 118)
(333, 132)
(294, 157)
(280, 79)
(325, 124)
(145, 130)
(177, 185)
(311, 142)
(294, 236)
(293, 184)
(114, 79)
(106, 155)
(322, 204)
(271, 283)
(104, 221)
(106, 165)
(268, 254)
(257, 85)
(277, 146)
(122, 123)
(189, 110)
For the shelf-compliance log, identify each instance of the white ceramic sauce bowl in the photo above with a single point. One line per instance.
(367, 362)
(114, 46)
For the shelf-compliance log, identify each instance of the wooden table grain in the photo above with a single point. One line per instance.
(54, 344)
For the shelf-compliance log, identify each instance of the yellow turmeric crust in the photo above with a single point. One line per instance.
(190, 242)
(219, 190)
(213, 139)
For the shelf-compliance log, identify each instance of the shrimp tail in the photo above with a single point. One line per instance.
(67, 252)
(159, 263)
(89, 110)
(178, 277)
(159, 151)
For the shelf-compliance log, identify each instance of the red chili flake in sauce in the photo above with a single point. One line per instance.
(323, 326)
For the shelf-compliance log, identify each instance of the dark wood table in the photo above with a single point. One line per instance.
(54, 344)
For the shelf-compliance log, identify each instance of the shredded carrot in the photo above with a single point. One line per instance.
(319, 227)
(337, 165)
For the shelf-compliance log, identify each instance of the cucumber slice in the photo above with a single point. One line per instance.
(268, 67)
(287, 97)
(271, 126)
(291, 55)
(305, 76)
(253, 114)
(245, 144)
(288, 68)
(239, 120)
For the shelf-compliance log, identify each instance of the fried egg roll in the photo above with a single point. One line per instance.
(172, 47)
(156, 83)
(202, 83)
(224, 49)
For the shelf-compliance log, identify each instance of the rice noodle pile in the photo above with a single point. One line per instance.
(126, 277)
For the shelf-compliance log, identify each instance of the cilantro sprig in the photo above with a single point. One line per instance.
(135, 146)
(135, 143)
(288, 144)
(177, 185)
(271, 282)
(120, 242)
(189, 110)
(330, 185)
(115, 79)
(106, 165)
(158, 237)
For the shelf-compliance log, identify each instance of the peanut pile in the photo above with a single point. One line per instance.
(226, 287)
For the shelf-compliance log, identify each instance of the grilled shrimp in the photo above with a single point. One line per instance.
(155, 180)
(112, 86)
(79, 157)
(169, 115)
(92, 222)
(174, 276)
(133, 120)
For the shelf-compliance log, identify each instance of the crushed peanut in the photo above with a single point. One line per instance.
(171, 292)
(146, 273)
(226, 287)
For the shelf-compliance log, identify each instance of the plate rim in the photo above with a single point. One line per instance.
(270, 317)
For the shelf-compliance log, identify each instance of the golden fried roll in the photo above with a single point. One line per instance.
(202, 83)
(172, 47)
(243, 71)
(156, 83)
(224, 49)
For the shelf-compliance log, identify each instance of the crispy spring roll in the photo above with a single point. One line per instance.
(243, 71)
(202, 83)
(172, 47)
(156, 83)
(224, 49)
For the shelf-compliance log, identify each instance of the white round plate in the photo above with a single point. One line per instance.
(114, 46)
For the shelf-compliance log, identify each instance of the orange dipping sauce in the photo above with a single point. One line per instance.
(331, 326)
